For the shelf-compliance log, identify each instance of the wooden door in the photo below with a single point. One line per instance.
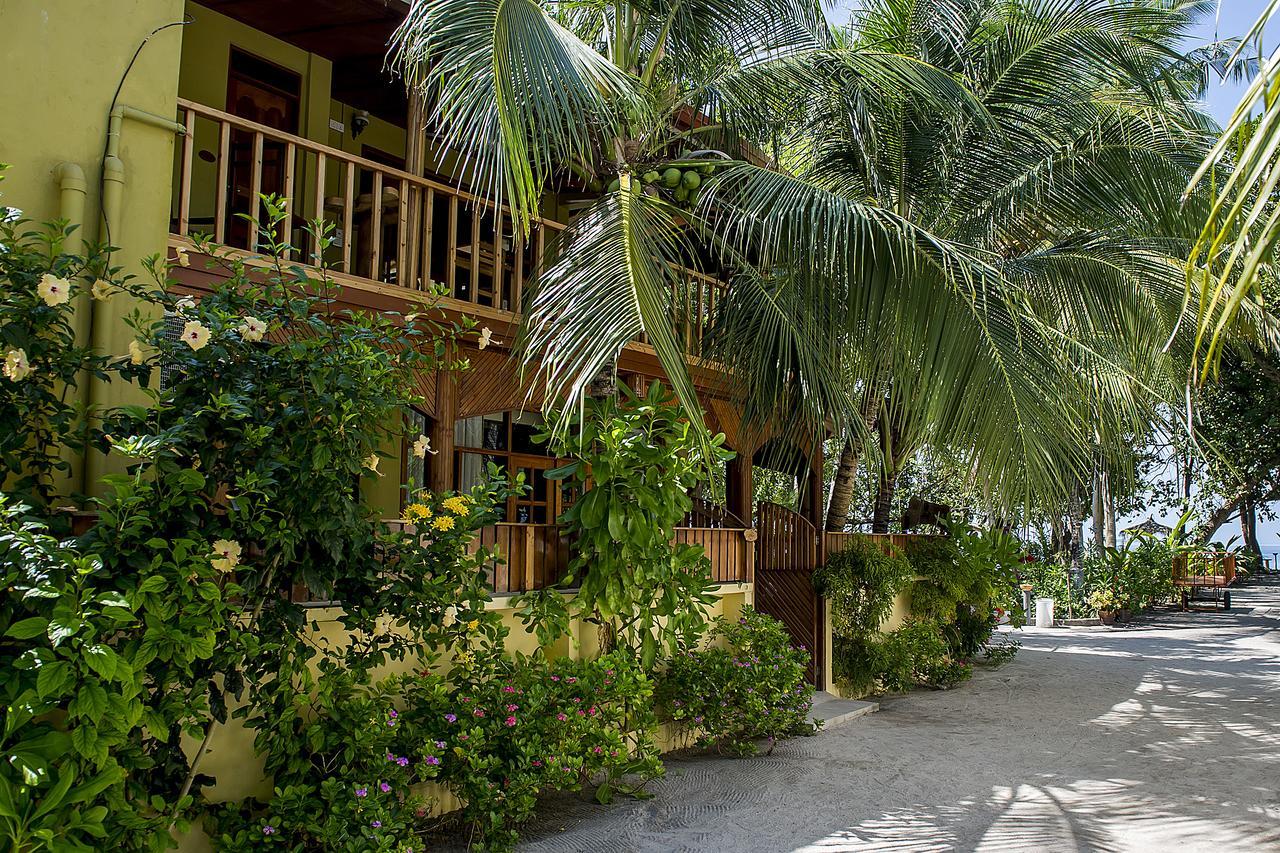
(786, 555)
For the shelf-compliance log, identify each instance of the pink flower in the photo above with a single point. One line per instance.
(561, 717)
(598, 750)
(508, 689)
(479, 712)
(512, 708)
(511, 721)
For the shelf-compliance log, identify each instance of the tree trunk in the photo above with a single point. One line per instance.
(884, 502)
(847, 468)
(842, 489)
(1108, 511)
(1099, 523)
(1249, 527)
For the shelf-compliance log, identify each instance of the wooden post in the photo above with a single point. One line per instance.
(441, 474)
(739, 487)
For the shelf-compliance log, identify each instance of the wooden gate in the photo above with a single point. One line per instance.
(786, 555)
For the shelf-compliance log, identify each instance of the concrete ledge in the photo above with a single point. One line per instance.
(833, 711)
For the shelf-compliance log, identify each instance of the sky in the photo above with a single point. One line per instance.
(1234, 18)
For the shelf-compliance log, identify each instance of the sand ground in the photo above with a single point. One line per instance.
(1160, 736)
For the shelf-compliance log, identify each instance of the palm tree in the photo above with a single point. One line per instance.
(1241, 231)
(973, 192)
(1063, 189)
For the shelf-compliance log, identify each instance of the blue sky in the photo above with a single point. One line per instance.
(1234, 18)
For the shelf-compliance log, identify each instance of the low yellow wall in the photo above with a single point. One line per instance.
(231, 759)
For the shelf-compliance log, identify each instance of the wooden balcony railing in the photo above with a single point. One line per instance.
(391, 226)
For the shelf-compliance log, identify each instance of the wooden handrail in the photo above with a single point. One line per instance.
(338, 154)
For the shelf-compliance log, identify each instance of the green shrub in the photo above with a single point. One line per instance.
(729, 697)
(497, 736)
(635, 460)
(917, 654)
(861, 582)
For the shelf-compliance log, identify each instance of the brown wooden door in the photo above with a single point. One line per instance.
(264, 93)
(786, 555)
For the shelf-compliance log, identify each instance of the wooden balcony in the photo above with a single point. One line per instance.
(391, 227)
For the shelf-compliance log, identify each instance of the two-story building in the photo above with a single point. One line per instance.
(150, 121)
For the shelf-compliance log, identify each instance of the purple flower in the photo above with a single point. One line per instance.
(432, 760)
(402, 761)
(440, 744)
(386, 789)
(377, 824)
(362, 792)
(268, 829)
(450, 718)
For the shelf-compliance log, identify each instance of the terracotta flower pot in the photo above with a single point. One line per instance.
(1108, 617)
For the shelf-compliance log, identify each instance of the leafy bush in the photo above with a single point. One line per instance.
(727, 698)
(861, 582)
(497, 738)
(916, 654)
(40, 424)
(640, 458)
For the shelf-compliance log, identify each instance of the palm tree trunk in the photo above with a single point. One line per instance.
(1108, 512)
(842, 489)
(884, 501)
(847, 467)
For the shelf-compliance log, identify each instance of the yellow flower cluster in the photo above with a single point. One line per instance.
(414, 513)
(456, 504)
(444, 522)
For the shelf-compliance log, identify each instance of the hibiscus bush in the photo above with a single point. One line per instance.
(729, 697)
(41, 426)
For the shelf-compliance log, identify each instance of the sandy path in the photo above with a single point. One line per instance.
(1161, 737)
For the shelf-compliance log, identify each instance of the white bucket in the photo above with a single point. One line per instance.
(1044, 612)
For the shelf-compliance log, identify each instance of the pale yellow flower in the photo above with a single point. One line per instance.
(486, 338)
(136, 353)
(16, 365)
(444, 522)
(53, 290)
(102, 290)
(414, 513)
(422, 447)
(226, 555)
(410, 318)
(181, 252)
(372, 461)
(252, 329)
(450, 615)
(195, 334)
(184, 305)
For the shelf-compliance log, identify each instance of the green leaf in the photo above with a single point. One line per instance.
(27, 628)
(102, 659)
(54, 679)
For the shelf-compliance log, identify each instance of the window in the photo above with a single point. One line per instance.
(507, 440)
(415, 469)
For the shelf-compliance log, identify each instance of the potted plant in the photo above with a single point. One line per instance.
(1106, 602)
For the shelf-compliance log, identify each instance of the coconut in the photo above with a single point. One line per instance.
(651, 177)
(707, 169)
(690, 180)
(681, 194)
(612, 186)
(671, 177)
